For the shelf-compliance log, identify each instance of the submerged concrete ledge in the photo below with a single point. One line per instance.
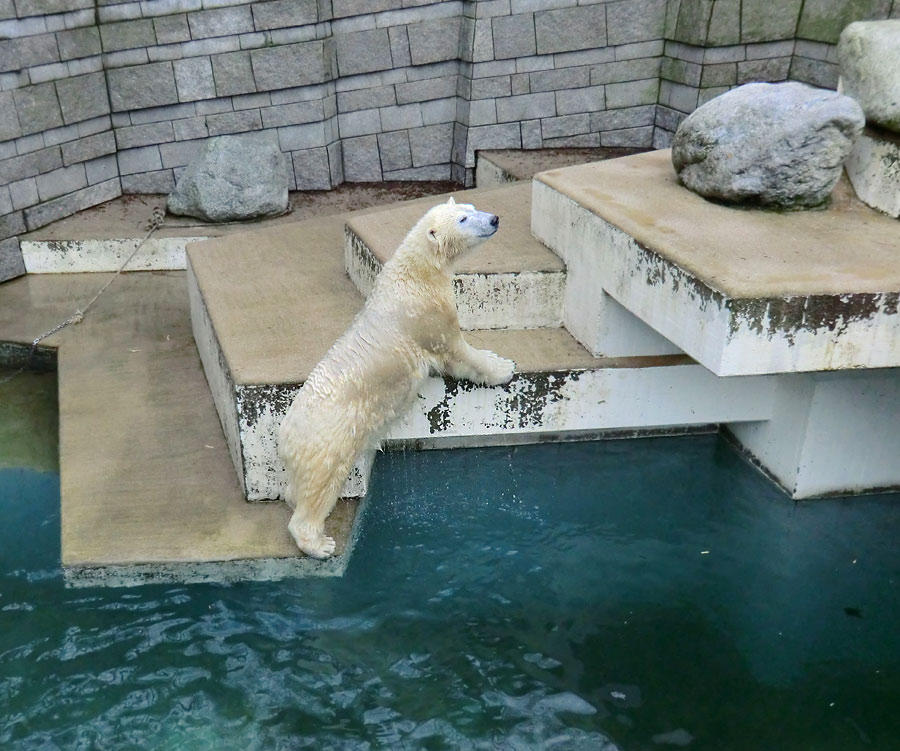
(148, 489)
(742, 291)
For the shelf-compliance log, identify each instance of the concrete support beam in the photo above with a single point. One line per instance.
(830, 433)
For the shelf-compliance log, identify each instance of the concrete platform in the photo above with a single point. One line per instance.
(512, 281)
(495, 167)
(742, 291)
(148, 489)
(260, 333)
(100, 238)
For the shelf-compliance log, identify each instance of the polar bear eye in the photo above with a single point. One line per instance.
(462, 219)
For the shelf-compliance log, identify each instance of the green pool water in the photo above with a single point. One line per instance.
(612, 595)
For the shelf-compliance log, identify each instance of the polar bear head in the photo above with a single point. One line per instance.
(455, 228)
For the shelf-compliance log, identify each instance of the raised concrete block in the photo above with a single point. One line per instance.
(58, 208)
(696, 275)
(869, 55)
(873, 167)
(141, 86)
(559, 390)
(512, 282)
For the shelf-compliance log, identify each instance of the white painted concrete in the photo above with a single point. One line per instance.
(84, 256)
(730, 337)
(523, 300)
(250, 422)
(830, 433)
(873, 167)
(595, 319)
(562, 404)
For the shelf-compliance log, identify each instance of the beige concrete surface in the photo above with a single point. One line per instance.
(743, 253)
(145, 473)
(274, 328)
(126, 216)
(512, 249)
(525, 164)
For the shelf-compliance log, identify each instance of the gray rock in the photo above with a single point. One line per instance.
(869, 56)
(779, 145)
(233, 178)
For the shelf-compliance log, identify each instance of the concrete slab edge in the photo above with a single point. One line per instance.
(488, 174)
(85, 256)
(215, 572)
(523, 300)
(215, 368)
(731, 337)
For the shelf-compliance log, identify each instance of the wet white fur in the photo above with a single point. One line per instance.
(407, 329)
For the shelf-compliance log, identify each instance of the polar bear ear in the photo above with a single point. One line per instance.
(451, 202)
(432, 235)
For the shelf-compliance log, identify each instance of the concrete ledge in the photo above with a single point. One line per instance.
(148, 489)
(743, 292)
(81, 256)
(512, 281)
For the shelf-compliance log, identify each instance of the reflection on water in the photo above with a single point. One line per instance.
(622, 595)
(28, 420)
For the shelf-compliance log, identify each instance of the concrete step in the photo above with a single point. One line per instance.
(267, 306)
(148, 489)
(743, 292)
(512, 281)
(495, 167)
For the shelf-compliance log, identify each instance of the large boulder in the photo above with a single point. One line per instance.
(779, 145)
(869, 56)
(233, 178)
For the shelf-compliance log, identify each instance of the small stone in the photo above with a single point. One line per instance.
(869, 56)
(233, 178)
(777, 145)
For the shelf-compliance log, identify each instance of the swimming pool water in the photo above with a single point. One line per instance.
(611, 595)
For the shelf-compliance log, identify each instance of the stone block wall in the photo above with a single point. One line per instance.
(714, 45)
(104, 97)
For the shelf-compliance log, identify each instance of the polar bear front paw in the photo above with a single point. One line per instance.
(311, 541)
(498, 370)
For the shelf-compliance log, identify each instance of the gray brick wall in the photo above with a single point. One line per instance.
(101, 98)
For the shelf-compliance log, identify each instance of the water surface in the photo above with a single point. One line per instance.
(614, 595)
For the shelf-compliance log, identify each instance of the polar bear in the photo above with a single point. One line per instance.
(407, 329)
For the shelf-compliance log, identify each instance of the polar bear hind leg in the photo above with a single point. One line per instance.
(318, 466)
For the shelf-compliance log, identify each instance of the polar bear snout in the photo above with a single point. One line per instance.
(480, 223)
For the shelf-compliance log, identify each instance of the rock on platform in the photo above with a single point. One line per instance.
(771, 144)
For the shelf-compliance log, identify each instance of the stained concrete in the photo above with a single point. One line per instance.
(510, 165)
(512, 250)
(844, 248)
(146, 479)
